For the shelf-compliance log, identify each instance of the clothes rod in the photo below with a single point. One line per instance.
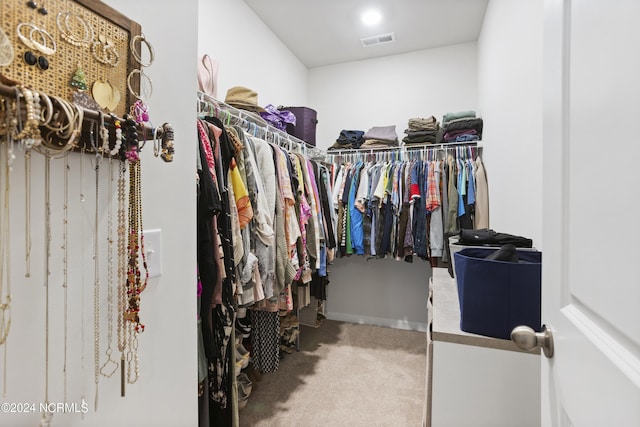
(405, 148)
(256, 120)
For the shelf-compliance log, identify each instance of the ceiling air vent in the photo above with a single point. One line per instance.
(379, 39)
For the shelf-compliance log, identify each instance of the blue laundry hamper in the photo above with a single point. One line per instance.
(497, 296)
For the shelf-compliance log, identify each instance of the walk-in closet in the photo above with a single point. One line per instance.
(258, 213)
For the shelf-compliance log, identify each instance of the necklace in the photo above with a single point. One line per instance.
(96, 288)
(122, 271)
(27, 211)
(110, 366)
(65, 258)
(135, 284)
(5, 264)
(82, 296)
(46, 415)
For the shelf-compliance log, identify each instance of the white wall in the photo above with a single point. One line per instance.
(382, 292)
(390, 90)
(165, 394)
(249, 54)
(381, 92)
(510, 99)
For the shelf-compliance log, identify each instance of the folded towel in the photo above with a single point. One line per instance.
(465, 124)
(387, 133)
(458, 115)
(379, 143)
(427, 123)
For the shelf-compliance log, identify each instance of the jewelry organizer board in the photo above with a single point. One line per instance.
(102, 19)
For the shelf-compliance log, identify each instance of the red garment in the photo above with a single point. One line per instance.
(433, 193)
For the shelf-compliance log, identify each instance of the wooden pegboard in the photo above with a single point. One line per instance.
(102, 19)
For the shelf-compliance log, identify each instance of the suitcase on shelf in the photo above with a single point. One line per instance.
(305, 127)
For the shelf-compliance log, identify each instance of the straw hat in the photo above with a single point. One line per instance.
(243, 98)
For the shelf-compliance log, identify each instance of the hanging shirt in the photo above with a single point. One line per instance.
(363, 187)
(337, 185)
(471, 192)
(462, 187)
(433, 190)
(245, 211)
(355, 216)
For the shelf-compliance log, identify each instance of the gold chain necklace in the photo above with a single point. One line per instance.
(46, 415)
(5, 262)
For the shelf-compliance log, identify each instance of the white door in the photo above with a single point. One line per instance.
(591, 237)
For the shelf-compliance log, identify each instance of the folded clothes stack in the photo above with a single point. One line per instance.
(348, 139)
(380, 137)
(462, 126)
(423, 131)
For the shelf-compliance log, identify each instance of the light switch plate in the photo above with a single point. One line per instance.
(153, 251)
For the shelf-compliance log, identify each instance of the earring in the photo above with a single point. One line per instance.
(43, 63)
(31, 59)
(32, 4)
(43, 10)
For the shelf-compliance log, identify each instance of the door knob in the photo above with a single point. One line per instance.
(528, 339)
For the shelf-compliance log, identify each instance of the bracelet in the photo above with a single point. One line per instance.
(167, 143)
(118, 144)
(67, 134)
(46, 119)
(30, 132)
(104, 135)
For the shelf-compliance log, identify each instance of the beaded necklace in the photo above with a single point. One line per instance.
(122, 271)
(135, 248)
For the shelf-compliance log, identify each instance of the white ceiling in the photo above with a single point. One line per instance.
(323, 32)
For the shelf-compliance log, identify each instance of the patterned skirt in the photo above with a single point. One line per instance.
(265, 340)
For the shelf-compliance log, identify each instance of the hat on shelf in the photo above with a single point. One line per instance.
(243, 98)
(208, 75)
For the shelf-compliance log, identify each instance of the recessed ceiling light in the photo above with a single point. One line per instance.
(371, 17)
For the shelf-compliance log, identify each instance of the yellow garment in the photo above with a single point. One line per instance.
(245, 211)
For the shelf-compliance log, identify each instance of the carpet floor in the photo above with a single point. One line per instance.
(344, 375)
